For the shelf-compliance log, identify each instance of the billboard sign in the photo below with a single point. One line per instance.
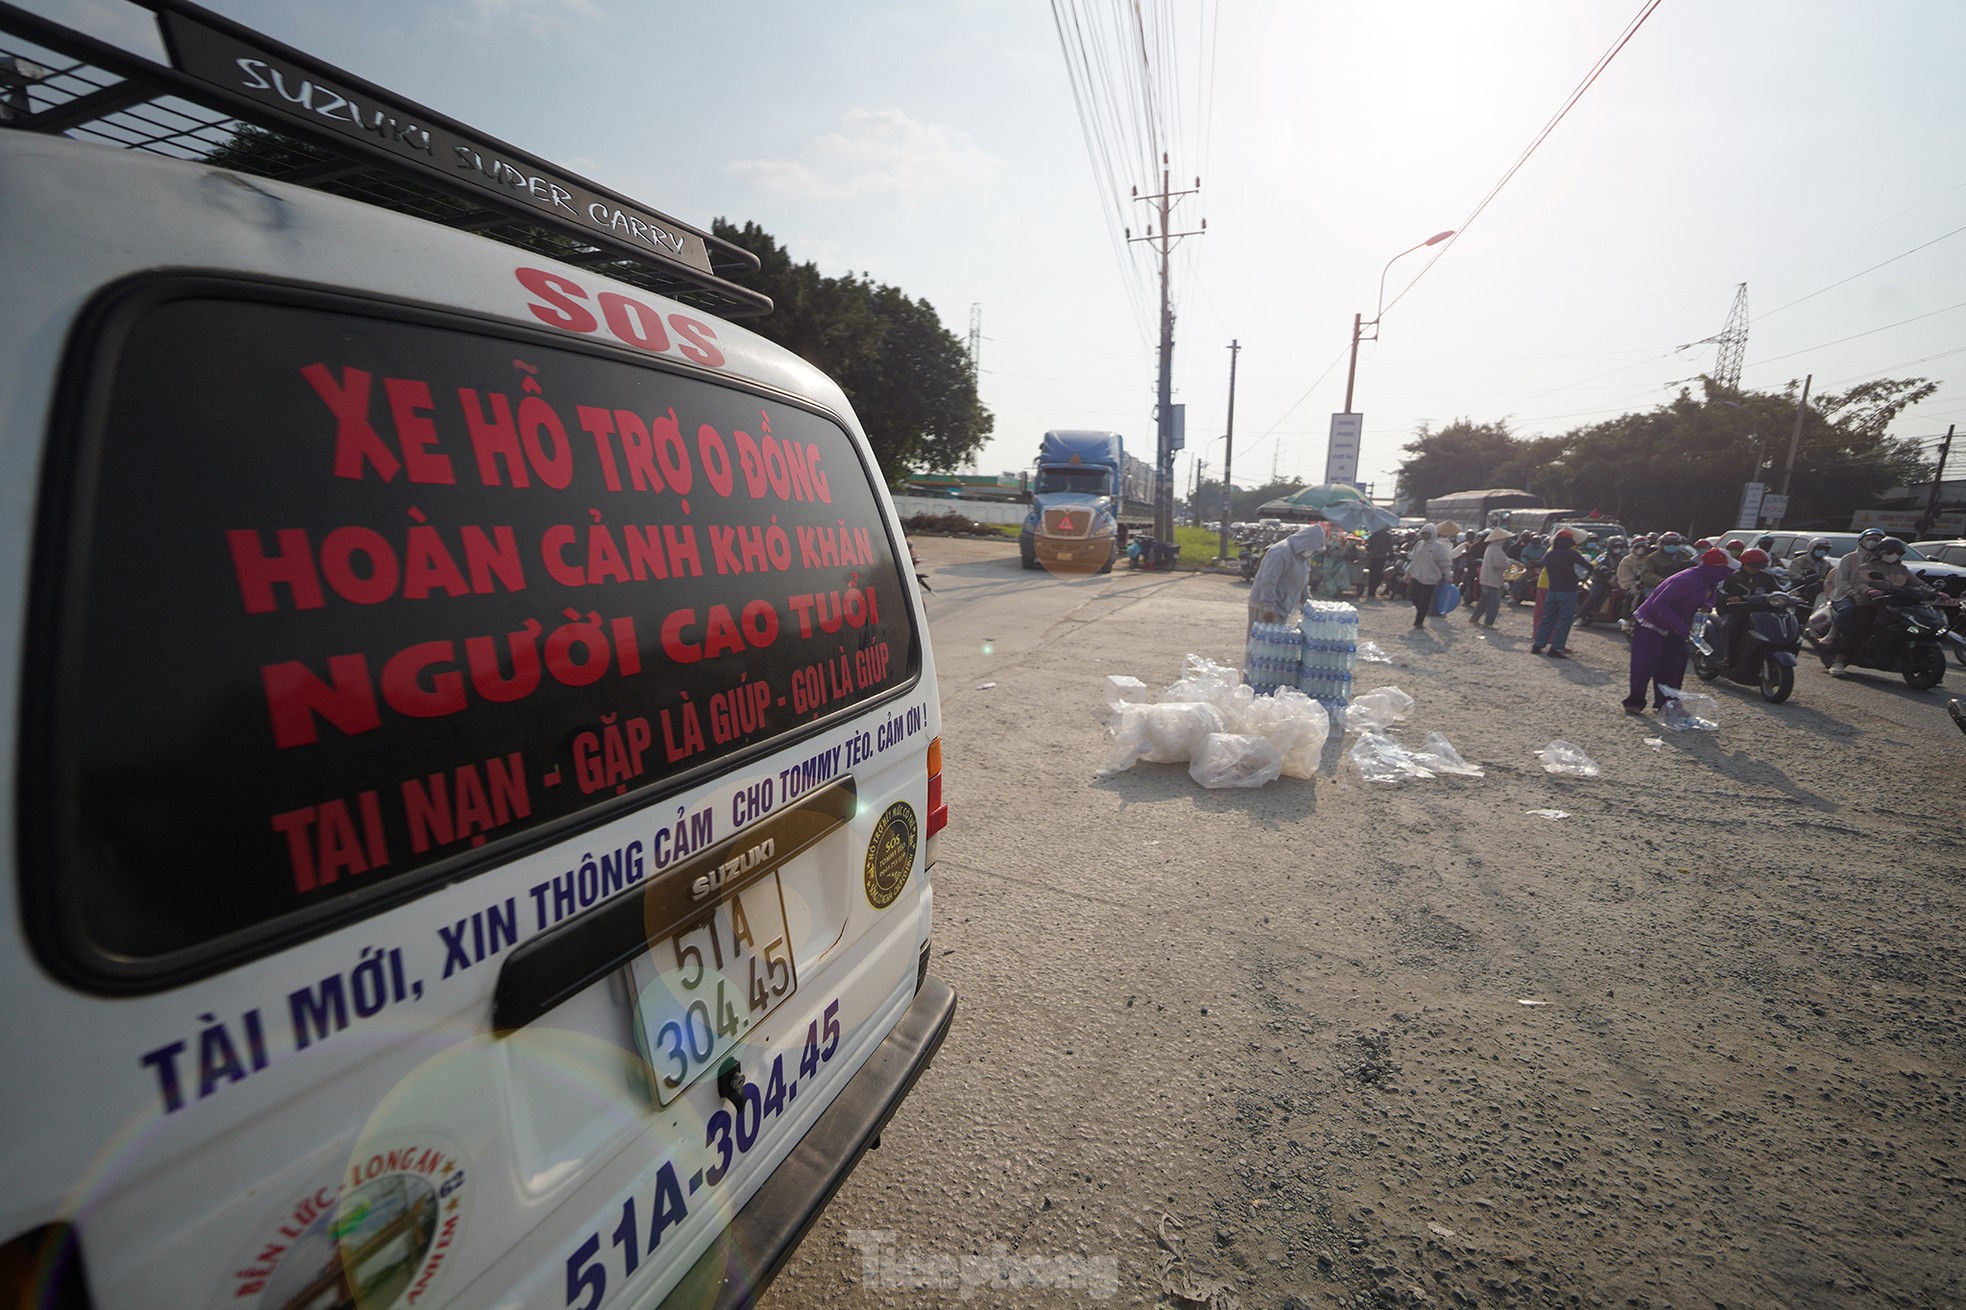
(1341, 455)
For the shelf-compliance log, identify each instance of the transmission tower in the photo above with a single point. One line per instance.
(1730, 344)
(975, 338)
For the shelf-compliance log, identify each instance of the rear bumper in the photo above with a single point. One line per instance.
(742, 1262)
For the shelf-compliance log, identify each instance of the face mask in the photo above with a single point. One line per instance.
(1820, 554)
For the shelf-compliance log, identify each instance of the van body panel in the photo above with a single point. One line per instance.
(327, 1098)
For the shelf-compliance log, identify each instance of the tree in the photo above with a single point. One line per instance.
(1682, 464)
(1459, 457)
(908, 378)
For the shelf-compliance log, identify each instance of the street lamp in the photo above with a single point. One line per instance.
(1358, 320)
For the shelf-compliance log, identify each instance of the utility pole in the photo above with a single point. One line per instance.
(1795, 438)
(1164, 243)
(1229, 451)
(1932, 503)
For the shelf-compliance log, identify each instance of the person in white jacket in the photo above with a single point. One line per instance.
(1283, 579)
(1495, 563)
(1426, 568)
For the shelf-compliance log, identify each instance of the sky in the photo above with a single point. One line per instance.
(939, 146)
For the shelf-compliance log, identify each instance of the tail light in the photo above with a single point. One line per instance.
(938, 813)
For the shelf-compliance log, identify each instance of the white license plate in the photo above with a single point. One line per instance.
(699, 992)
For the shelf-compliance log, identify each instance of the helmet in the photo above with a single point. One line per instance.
(1616, 543)
(1819, 548)
(1735, 546)
(1891, 549)
(1674, 539)
(1754, 557)
(1704, 543)
(1766, 541)
(1715, 555)
(1870, 538)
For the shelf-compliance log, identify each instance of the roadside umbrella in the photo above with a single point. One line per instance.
(1343, 505)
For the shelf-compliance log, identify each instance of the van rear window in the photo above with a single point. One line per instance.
(342, 599)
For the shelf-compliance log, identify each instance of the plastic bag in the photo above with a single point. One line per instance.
(1205, 682)
(1377, 710)
(1690, 710)
(1371, 652)
(1294, 722)
(1381, 759)
(1438, 754)
(1234, 759)
(1161, 734)
(1567, 759)
(1447, 598)
(1200, 666)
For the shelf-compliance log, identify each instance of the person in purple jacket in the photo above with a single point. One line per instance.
(1660, 635)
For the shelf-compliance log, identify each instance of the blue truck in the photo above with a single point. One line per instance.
(1075, 501)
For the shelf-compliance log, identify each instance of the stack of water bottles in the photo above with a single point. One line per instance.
(1328, 652)
(1275, 654)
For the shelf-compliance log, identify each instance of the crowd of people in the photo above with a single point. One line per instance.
(1653, 585)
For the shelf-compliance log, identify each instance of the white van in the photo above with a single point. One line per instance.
(471, 739)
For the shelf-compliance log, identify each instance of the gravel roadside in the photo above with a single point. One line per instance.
(1332, 1042)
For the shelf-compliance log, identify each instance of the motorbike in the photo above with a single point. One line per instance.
(1911, 630)
(1247, 558)
(1764, 646)
(1602, 597)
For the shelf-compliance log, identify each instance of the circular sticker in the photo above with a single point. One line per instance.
(376, 1236)
(890, 855)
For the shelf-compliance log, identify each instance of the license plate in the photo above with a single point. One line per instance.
(700, 991)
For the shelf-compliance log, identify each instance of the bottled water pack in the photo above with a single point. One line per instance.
(1328, 651)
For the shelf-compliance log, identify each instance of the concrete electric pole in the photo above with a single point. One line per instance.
(1163, 241)
(1229, 453)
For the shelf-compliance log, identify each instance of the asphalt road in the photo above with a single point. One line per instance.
(1339, 1043)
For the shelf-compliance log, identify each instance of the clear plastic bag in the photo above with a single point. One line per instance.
(1205, 682)
(1381, 759)
(1161, 734)
(1371, 652)
(1294, 722)
(1438, 754)
(1234, 759)
(1690, 711)
(1567, 759)
(1377, 710)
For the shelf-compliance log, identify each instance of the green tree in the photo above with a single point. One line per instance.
(908, 378)
(1682, 464)
(1459, 457)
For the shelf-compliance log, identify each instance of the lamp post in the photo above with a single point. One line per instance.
(1358, 323)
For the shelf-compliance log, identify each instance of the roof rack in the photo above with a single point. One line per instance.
(235, 98)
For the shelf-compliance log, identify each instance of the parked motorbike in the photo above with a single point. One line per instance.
(1909, 634)
(1763, 647)
(1247, 558)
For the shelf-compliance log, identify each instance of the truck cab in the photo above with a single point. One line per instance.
(1075, 501)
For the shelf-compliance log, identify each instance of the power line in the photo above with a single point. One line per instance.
(1854, 276)
(1868, 333)
(1597, 70)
